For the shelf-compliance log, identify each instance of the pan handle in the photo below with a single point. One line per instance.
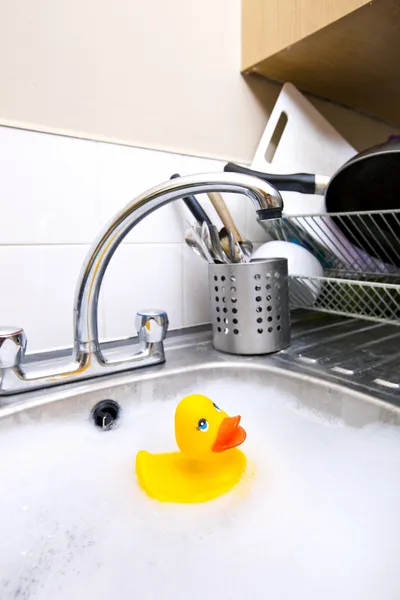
(297, 182)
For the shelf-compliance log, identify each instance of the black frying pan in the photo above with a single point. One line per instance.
(369, 181)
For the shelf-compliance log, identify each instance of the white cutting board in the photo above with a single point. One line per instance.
(309, 143)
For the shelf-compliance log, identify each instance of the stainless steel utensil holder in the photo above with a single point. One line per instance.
(250, 306)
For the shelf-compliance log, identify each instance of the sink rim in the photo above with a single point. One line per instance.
(193, 351)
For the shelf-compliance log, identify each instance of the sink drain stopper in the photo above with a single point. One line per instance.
(105, 414)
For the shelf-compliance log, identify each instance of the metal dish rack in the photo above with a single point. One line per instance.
(361, 276)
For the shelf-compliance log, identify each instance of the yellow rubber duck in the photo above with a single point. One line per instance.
(208, 464)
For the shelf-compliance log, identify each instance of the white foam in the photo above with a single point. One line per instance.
(320, 518)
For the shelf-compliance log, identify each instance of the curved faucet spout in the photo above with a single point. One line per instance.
(265, 197)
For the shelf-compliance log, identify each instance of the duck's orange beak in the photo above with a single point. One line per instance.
(229, 435)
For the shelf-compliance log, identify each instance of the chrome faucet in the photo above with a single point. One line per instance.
(88, 359)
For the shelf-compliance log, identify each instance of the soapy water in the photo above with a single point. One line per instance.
(317, 515)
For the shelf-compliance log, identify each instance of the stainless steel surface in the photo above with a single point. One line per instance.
(344, 367)
(87, 359)
(82, 365)
(354, 283)
(231, 247)
(12, 346)
(250, 306)
(206, 237)
(152, 326)
(195, 241)
(321, 183)
(354, 352)
(211, 239)
(247, 248)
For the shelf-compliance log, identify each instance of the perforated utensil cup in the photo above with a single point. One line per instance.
(250, 306)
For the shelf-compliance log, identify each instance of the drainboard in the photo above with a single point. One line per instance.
(360, 353)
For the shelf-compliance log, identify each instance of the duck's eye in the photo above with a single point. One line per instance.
(217, 407)
(202, 425)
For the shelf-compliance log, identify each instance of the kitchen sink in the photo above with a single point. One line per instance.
(316, 514)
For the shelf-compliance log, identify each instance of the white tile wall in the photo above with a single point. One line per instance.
(56, 194)
(195, 291)
(37, 291)
(142, 275)
(48, 189)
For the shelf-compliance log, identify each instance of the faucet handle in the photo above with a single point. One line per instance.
(152, 325)
(12, 346)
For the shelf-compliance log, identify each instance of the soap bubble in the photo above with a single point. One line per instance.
(316, 516)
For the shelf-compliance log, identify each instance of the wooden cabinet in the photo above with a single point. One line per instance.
(345, 50)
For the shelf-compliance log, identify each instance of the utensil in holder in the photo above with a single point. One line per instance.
(250, 306)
